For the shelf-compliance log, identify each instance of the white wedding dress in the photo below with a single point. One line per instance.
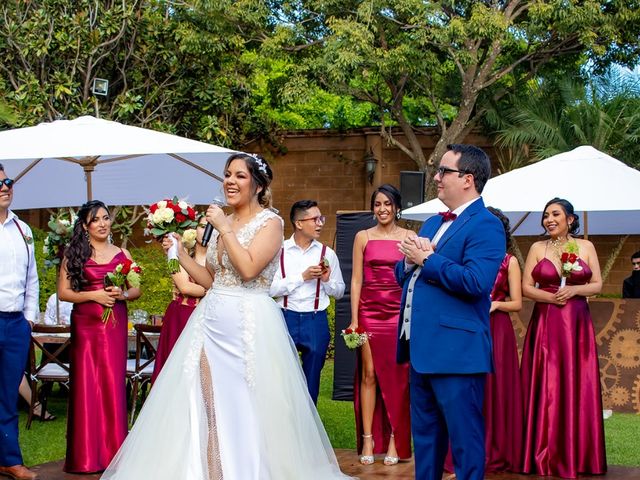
(231, 402)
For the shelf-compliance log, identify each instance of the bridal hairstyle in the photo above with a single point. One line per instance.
(79, 249)
(392, 194)
(574, 227)
(506, 225)
(261, 174)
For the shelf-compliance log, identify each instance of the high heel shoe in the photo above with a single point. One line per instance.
(367, 459)
(390, 460)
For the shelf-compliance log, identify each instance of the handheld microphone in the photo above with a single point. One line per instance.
(208, 229)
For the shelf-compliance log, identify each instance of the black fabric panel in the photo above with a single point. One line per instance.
(347, 225)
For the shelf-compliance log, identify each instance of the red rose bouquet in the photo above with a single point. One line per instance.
(168, 216)
(355, 338)
(125, 275)
(569, 262)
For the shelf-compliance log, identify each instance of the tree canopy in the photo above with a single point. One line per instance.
(442, 62)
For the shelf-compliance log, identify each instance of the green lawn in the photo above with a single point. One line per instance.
(45, 442)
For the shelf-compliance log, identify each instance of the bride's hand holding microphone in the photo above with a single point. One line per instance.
(216, 218)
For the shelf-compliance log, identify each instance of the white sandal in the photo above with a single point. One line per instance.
(367, 459)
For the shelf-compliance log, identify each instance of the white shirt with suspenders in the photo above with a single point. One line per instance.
(288, 286)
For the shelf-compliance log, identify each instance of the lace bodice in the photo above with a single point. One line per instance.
(225, 273)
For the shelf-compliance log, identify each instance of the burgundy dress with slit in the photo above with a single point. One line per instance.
(97, 419)
(564, 432)
(378, 314)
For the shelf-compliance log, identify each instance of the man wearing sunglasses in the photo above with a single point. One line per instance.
(309, 274)
(631, 284)
(18, 306)
(447, 277)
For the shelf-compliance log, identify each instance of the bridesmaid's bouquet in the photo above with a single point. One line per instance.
(355, 338)
(170, 215)
(125, 275)
(569, 262)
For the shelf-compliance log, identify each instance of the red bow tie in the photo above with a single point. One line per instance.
(447, 216)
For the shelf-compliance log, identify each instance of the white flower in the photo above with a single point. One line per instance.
(61, 228)
(162, 204)
(167, 215)
(183, 205)
(189, 238)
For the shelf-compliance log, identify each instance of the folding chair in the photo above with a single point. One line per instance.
(140, 369)
(45, 366)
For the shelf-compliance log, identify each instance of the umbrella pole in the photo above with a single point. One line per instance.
(87, 172)
(586, 225)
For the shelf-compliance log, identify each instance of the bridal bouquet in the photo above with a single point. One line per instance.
(355, 338)
(61, 228)
(170, 215)
(569, 262)
(125, 275)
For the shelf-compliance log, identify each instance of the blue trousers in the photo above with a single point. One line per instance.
(310, 333)
(15, 333)
(448, 408)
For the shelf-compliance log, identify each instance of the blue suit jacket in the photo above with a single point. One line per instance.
(450, 309)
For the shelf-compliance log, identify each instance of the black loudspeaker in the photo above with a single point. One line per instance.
(411, 188)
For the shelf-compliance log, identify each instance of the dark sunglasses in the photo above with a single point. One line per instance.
(8, 182)
(443, 170)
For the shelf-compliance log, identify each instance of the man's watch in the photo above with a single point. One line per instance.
(125, 294)
(425, 260)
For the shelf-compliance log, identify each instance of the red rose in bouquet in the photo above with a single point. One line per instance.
(170, 215)
(125, 275)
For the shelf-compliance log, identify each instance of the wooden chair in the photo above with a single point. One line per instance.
(140, 369)
(46, 365)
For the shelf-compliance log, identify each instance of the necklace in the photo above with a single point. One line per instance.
(558, 244)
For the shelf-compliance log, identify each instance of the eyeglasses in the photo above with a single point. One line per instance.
(8, 182)
(319, 220)
(442, 170)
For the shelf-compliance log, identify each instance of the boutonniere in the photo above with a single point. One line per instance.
(28, 239)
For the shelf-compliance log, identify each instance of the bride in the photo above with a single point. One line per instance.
(231, 402)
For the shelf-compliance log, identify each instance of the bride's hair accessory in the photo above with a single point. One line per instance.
(262, 166)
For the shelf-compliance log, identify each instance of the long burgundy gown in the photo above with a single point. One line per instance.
(379, 310)
(173, 322)
(503, 410)
(97, 420)
(564, 432)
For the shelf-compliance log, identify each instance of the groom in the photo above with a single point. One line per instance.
(447, 276)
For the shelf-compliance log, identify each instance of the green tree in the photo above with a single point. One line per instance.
(556, 116)
(172, 66)
(446, 59)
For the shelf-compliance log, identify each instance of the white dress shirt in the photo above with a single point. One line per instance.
(50, 317)
(19, 289)
(301, 295)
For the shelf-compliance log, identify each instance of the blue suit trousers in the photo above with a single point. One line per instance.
(310, 333)
(15, 333)
(447, 408)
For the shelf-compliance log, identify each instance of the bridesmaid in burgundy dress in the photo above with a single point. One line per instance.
(381, 391)
(503, 411)
(564, 433)
(97, 419)
(186, 295)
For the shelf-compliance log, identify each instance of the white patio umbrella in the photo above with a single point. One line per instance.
(604, 192)
(67, 162)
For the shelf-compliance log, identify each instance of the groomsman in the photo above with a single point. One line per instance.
(447, 275)
(309, 273)
(18, 310)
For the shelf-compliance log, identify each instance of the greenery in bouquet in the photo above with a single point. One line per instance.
(355, 338)
(170, 216)
(60, 230)
(125, 275)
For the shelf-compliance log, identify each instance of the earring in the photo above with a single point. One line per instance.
(86, 235)
(374, 217)
(110, 239)
(398, 216)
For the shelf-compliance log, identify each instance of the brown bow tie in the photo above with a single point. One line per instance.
(447, 216)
